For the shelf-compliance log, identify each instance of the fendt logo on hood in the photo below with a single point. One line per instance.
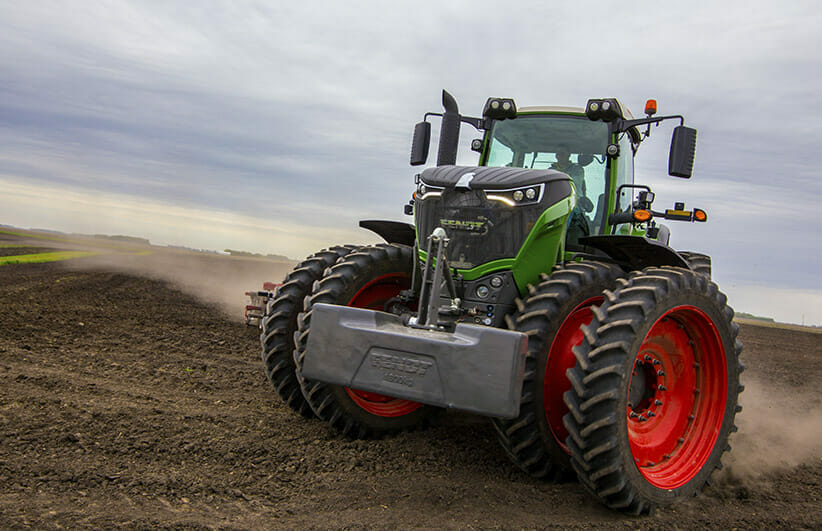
(479, 227)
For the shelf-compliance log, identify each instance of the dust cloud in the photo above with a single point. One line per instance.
(214, 279)
(779, 429)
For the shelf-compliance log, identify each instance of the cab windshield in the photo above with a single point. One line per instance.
(573, 145)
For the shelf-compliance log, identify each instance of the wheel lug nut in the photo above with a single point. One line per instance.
(660, 372)
(632, 415)
(657, 362)
(642, 419)
(657, 402)
(662, 388)
(647, 357)
(651, 414)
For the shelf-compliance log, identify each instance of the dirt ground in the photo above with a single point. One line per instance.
(132, 395)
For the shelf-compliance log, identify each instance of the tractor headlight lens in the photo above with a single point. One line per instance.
(495, 104)
(594, 106)
(496, 282)
(482, 291)
(530, 193)
(518, 195)
(422, 189)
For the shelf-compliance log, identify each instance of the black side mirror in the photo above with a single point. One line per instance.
(420, 143)
(683, 149)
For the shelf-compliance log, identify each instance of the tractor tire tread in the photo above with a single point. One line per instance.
(592, 419)
(524, 437)
(280, 320)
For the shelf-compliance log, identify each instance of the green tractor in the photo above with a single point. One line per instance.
(536, 288)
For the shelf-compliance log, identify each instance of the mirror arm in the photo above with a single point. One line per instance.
(621, 126)
(478, 123)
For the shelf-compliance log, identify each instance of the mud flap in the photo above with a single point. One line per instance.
(475, 368)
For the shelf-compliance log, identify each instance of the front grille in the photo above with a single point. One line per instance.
(480, 230)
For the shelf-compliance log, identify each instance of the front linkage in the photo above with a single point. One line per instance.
(429, 358)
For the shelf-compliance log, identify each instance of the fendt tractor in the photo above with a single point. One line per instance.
(537, 288)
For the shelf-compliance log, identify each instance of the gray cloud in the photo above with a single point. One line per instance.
(302, 115)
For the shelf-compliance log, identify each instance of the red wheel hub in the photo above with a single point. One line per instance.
(560, 359)
(676, 397)
(374, 296)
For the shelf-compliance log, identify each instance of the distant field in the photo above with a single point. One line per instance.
(784, 326)
(38, 258)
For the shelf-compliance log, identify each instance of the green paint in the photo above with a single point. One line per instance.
(544, 244)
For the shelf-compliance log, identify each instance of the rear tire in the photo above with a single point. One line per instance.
(654, 391)
(367, 278)
(280, 323)
(698, 262)
(551, 316)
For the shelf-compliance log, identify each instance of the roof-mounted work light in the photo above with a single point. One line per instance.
(606, 110)
(499, 108)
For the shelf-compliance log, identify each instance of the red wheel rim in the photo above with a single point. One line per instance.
(373, 296)
(560, 359)
(676, 397)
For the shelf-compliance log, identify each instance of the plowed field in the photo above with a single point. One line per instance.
(132, 395)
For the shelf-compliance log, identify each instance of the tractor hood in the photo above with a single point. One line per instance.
(486, 212)
(488, 178)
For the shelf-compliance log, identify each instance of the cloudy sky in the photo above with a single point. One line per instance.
(274, 127)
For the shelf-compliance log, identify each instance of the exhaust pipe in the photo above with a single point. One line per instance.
(449, 131)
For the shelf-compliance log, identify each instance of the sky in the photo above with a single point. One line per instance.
(274, 127)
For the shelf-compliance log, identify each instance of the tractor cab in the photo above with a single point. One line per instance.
(593, 146)
(565, 140)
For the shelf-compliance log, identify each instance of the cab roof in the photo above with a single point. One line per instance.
(562, 109)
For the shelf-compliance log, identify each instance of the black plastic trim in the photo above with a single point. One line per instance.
(391, 231)
(635, 252)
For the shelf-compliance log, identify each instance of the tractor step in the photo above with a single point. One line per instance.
(475, 368)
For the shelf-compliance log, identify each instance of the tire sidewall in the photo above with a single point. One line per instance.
(716, 313)
(548, 335)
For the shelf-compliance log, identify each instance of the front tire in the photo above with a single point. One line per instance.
(368, 278)
(654, 390)
(280, 323)
(551, 317)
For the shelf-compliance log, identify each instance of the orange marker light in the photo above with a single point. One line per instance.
(642, 215)
(700, 215)
(650, 107)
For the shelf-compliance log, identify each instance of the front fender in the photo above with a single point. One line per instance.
(635, 252)
(392, 231)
